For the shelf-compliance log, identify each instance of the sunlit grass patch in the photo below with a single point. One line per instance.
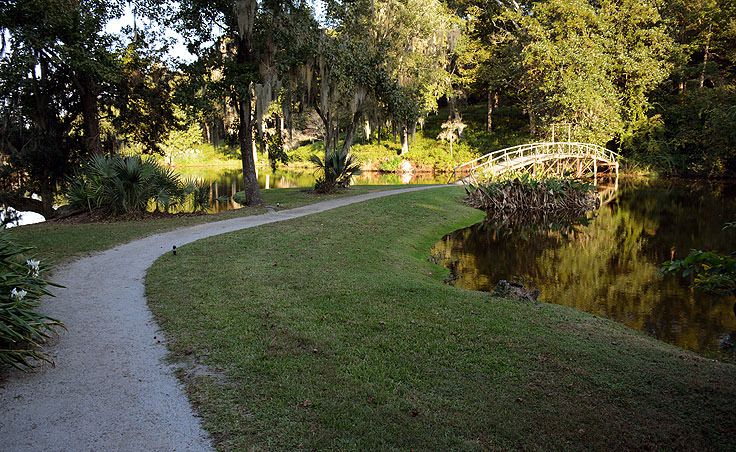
(335, 332)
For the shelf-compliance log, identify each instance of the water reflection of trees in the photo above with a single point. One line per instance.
(609, 268)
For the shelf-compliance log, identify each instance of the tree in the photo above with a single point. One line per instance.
(451, 129)
(54, 66)
(380, 61)
(247, 45)
(142, 105)
(694, 131)
(594, 63)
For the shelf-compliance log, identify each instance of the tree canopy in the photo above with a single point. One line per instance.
(654, 80)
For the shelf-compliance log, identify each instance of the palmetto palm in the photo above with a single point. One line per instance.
(337, 170)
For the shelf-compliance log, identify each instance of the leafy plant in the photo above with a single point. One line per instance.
(200, 192)
(451, 131)
(117, 185)
(337, 169)
(525, 194)
(391, 164)
(712, 272)
(22, 329)
(275, 148)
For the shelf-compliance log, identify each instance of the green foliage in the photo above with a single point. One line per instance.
(337, 169)
(200, 192)
(547, 195)
(181, 142)
(694, 134)
(711, 272)
(593, 65)
(452, 129)
(56, 62)
(117, 185)
(304, 153)
(392, 164)
(22, 329)
(275, 149)
(144, 101)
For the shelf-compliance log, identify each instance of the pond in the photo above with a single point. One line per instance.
(608, 267)
(225, 182)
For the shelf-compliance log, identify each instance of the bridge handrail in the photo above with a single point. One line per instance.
(518, 150)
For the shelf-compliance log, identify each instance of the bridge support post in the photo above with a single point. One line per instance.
(616, 175)
(595, 171)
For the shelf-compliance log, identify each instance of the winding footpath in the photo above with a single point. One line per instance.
(110, 389)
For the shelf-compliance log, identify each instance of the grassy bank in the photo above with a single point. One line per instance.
(334, 332)
(61, 242)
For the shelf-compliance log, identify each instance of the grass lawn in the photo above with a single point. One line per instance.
(61, 242)
(334, 332)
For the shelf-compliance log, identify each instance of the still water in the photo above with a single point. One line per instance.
(225, 182)
(608, 267)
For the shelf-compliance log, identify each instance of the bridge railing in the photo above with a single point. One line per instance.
(521, 155)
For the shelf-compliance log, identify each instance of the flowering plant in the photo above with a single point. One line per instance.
(22, 328)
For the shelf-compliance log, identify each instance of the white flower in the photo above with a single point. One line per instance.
(17, 295)
(33, 267)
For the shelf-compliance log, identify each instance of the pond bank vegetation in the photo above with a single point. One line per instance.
(550, 196)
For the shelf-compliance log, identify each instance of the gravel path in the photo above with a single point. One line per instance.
(110, 389)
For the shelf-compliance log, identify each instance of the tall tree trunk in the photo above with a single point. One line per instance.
(327, 140)
(489, 126)
(245, 136)
(90, 114)
(705, 57)
(532, 120)
(246, 12)
(350, 132)
(404, 141)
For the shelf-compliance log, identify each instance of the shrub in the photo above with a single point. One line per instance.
(117, 185)
(524, 193)
(337, 169)
(391, 164)
(200, 192)
(712, 273)
(22, 329)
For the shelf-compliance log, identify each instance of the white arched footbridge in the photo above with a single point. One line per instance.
(559, 158)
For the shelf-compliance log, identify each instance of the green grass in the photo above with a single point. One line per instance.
(334, 332)
(61, 242)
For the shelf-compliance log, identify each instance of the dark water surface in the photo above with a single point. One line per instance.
(225, 182)
(609, 266)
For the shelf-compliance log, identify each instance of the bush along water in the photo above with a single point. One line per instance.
(131, 185)
(524, 199)
(712, 273)
(336, 169)
(22, 328)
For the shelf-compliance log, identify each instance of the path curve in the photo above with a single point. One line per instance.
(110, 389)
